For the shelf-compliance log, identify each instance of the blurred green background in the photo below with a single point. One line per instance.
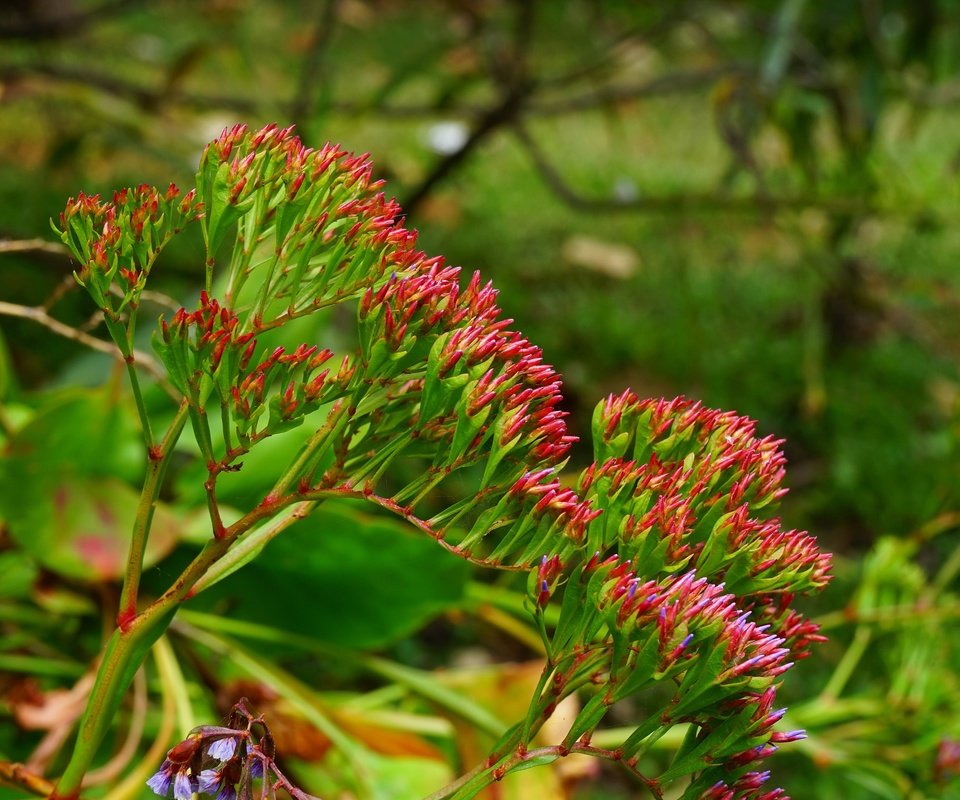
(750, 203)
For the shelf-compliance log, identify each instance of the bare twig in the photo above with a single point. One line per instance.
(511, 73)
(32, 246)
(149, 97)
(40, 316)
(673, 83)
(66, 285)
(494, 118)
(19, 776)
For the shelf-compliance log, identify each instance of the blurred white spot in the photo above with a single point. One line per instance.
(447, 137)
(625, 190)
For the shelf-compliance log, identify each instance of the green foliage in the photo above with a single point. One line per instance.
(344, 578)
(671, 584)
(790, 254)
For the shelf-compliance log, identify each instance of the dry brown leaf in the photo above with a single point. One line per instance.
(608, 258)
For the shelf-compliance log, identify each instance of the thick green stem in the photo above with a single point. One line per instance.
(128, 647)
(157, 461)
(125, 653)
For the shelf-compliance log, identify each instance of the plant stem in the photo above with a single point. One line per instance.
(848, 664)
(138, 399)
(129, 646)
(171, 686)
(485, 774)
(201, 429)
(122, 335)
(157, 461)
(450, 788)
(314, 449)
(252, 544)
(39, 315)
(123, 656)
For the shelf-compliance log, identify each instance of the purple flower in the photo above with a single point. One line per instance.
(227, 792)
(214, 782)
(209, 781)
(183, 786)
(160, 782)
(222, 749)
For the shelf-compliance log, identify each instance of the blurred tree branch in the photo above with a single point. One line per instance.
(313, 82)
(36, 22)
(690, 201)
(526, 89)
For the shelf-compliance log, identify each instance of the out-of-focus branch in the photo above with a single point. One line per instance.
(312, 80)
(40, 316)
(677, 202)
(39, 26)
(32, 246)
(673, 83)
(19, 776)
(510, 72)
(500, 114)
(149, 97)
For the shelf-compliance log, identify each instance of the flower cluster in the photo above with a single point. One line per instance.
(687, 647)
(206, 352)
(437, 377)
(328, 229)
(118, 242)
(689, 589)
(223, 761)
(685, 487)
(747, 787)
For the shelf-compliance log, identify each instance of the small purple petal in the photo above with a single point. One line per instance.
(209, 781)
(222, 749)
(160, 781)
(227, 792)
(183, 787)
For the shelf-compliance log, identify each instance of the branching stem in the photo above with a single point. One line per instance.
(157, 461)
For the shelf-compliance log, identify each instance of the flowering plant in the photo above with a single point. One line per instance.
(657, 576)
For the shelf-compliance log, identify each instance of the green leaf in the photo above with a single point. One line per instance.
(345, 578)
(81, 529)
(85, 431)
(17, 574)
(388, 778)
(63, 489)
